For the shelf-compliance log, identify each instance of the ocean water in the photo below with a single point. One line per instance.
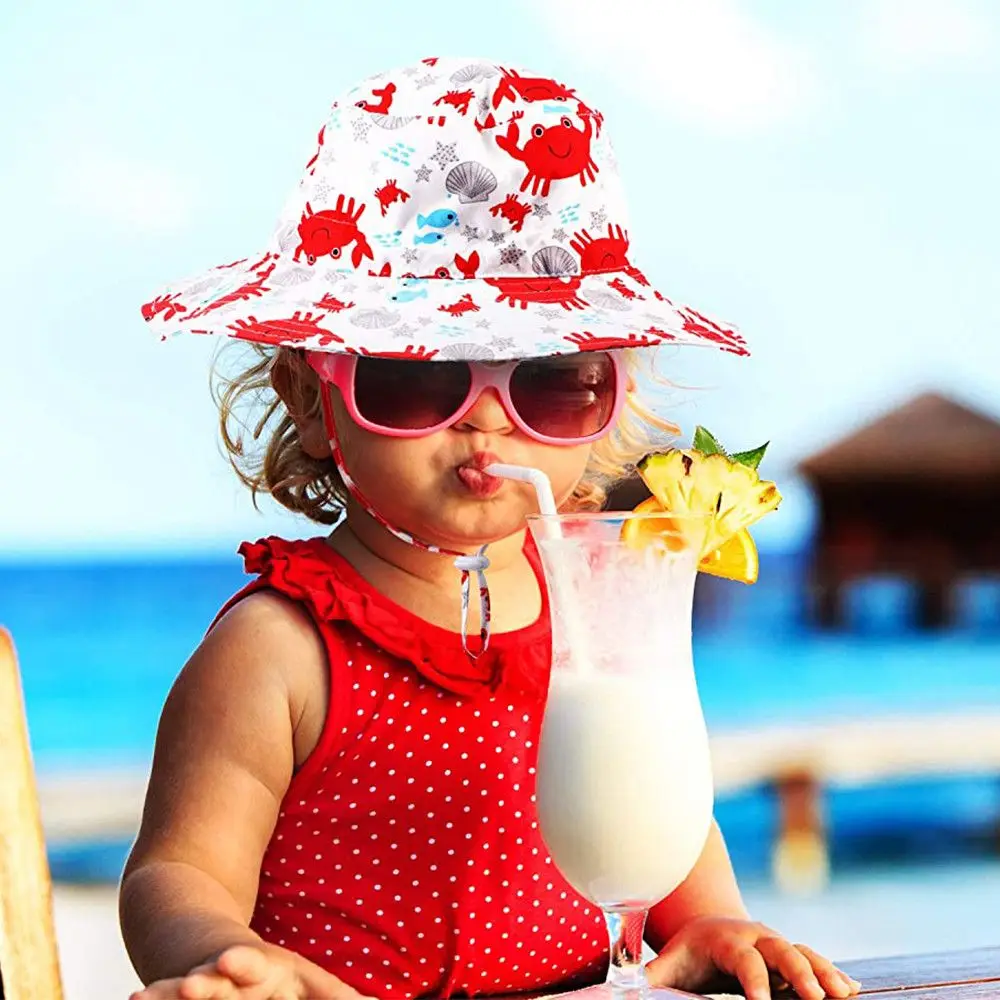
(100, 644)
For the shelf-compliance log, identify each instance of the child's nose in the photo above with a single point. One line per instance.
(487, 415)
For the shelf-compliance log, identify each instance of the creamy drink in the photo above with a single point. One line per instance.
(624, 782)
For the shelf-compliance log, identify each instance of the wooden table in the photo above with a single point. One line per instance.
(953, 975)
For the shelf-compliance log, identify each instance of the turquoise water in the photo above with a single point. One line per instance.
(100, 644)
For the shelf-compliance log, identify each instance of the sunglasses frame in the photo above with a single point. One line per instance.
(338, 370)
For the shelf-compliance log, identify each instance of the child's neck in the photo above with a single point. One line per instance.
(426, 583)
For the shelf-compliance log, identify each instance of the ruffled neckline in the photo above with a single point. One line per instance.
(311, 571)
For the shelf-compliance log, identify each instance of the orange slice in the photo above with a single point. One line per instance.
(735, 559)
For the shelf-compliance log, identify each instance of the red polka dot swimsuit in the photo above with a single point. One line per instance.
(406, 858)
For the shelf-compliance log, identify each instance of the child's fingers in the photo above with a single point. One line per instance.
(835, 982)
(206, 985)
(245, 965)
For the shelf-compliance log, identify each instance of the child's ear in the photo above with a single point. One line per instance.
(298, 387)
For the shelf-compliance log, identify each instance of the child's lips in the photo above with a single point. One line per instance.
(472, 476)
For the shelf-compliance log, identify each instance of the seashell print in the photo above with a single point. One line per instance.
(293, 276)
(209, 284)
(554, 261)
(391, 121)
(465, 352)
(374, 319)
(471, 181)
(607, 300)
(288, 238)
(474, 72)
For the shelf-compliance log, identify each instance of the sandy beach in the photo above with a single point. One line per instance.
(886, 912)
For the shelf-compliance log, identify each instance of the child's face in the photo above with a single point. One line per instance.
(433, 486)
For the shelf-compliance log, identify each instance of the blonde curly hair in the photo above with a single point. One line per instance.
(262, 443)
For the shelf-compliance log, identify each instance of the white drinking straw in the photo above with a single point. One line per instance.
(575, 631)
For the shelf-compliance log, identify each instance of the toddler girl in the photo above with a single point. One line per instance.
(342, 795)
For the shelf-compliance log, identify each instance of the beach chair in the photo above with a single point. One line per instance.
(29, 959)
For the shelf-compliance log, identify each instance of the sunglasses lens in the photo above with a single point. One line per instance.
(565, 397)
(409, 395)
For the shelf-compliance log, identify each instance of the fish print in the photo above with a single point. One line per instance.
(440, 218)
(428, 238)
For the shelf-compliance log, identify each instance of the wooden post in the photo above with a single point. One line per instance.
(800, 861)
(29, 959)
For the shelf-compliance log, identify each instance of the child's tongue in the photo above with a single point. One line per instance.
(471, 475)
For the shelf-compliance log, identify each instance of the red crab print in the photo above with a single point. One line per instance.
(514, 211)
(332, 304)
(386, 271)
(389, 193)
(469, 266)
(439, 272)
(250, 290)
(311, 165)
(544, 289)
(300, 326)
(592, 342)
(430, 61)
(624, 291)
(457, 99)
(606, 253)
(410, 354)
(540, 88)
(166, 304)
(702, 326)
(463, 305)
(263, 261)
(330, 231)
(384, 103)
(655, 331)
(552, 153)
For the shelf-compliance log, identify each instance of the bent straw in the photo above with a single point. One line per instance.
(560, 586)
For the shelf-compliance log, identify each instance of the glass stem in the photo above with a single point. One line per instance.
(627, 974)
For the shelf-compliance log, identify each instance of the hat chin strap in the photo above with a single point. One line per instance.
(466, 564)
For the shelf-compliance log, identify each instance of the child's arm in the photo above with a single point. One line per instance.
(702, 931)
(225, 754)
(710, 890)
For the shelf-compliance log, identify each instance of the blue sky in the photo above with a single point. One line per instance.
(824, 175)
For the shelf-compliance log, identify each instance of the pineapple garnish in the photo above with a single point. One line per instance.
(704, 479)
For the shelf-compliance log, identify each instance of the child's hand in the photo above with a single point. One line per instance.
(251, 972)
(752, 953)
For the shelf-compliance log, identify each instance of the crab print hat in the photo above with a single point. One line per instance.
(453, 209)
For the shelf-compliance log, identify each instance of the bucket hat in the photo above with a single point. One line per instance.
(452, 209)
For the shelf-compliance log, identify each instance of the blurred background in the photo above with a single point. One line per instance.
(824, 175)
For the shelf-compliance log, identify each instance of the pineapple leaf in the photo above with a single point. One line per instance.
(705, 442)
(751, 458)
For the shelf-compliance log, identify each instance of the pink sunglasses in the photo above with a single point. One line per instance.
(564, 400)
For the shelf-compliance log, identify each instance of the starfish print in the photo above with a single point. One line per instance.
(423, 172)
(424, 320)
(444, 154)
(484, 323)
(322, 191)
(511, 255)
(411, 71)
(362, 125)
(375, 166)
(375, 287)
(496, 237)
(404, 330)
(541, 209)
(426, 81)
(328, 156)
(484, 107)
(560, 235)
(549, 331)
(598, 218)
(350, 286)
(549, 313)
(501, 343)
(471, 233)
(410, 255)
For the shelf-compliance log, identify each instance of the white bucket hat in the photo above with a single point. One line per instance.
(453, 209)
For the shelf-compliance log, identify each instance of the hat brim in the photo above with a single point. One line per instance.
(275, 300)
